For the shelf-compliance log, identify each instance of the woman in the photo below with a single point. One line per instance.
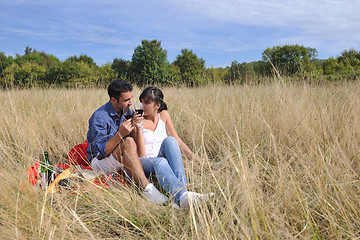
(158, 147)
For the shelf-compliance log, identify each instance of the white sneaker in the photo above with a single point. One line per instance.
(174, 205)
(153, 194)
(188, 198)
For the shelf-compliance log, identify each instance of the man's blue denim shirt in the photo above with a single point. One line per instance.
(103, 125)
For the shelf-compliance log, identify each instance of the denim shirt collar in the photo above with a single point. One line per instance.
(110, 109)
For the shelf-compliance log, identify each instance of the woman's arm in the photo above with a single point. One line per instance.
(138, 136)
(170, 129)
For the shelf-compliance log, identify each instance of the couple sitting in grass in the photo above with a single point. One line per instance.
(140, 146)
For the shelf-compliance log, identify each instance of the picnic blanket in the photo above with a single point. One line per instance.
(73, 174)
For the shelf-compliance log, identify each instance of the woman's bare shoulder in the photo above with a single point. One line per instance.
(164, 115)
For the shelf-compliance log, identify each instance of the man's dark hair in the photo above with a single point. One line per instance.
(118, 86)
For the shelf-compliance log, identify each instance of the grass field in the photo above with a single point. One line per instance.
(289, 165)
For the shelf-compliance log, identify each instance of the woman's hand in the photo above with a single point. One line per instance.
(136, 120)
(138, 135)
(170, 130)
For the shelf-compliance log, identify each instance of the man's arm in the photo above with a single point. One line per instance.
(125, 128)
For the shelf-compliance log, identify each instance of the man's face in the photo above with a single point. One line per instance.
(124, 101)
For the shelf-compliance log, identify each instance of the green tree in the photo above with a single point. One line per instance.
(351, 54)
(53, 70)
(216, 75)
(331, 66)
(346, 66)
(4, 63)
(149, 64)
(351, 60)
(79, 72)
(105, 75)
(233, 72)
(174, 76)
(30, 69)
(69, 71)
(121, 67)
(82, 58)
(31, 57)
(290, 59)
(191, 67)
(261, 68)
(240, 72)
(25, 75)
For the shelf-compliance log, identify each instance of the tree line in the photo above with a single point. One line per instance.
(149, 65)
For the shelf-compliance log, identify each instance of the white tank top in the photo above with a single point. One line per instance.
(154, 139)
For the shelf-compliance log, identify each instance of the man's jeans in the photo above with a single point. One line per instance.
(168, 168)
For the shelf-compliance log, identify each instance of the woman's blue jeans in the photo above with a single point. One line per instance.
(168, 168)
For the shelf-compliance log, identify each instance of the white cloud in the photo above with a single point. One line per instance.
(330, 26)
(277, 13)
(229, 27)
(312, 16)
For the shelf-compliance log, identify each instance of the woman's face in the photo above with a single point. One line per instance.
(149, 106)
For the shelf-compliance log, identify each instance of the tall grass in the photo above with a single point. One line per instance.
(282, 160)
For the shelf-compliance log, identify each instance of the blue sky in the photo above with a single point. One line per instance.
(218, 31)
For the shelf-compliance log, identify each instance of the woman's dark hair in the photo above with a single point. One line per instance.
(154, 94)
(118, 86)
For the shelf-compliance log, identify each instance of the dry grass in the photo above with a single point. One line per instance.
(290, 165)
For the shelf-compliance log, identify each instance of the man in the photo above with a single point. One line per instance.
(111, 149)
